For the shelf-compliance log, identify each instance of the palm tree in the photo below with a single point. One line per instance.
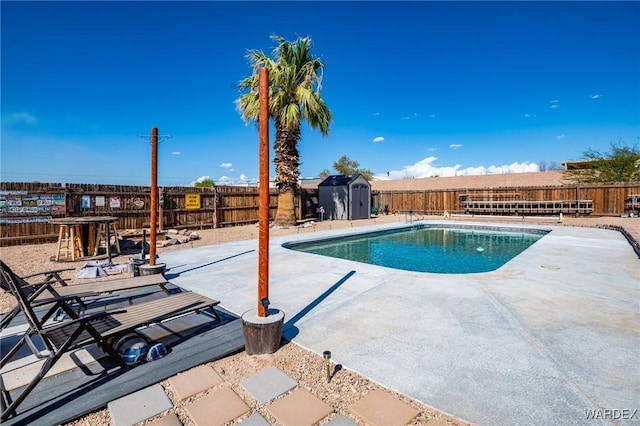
(295, 82)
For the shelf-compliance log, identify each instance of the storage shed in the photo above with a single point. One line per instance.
(345, 197)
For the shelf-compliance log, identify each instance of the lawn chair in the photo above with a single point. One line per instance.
(45, 293)
(83, 329)
(50, 277)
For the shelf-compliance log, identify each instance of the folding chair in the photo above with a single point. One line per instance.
(50, 277)
(45, 293)
(83, 329)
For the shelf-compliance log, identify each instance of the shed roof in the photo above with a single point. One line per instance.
(338, 180)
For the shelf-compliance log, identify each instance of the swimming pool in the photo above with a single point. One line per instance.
(428, 248)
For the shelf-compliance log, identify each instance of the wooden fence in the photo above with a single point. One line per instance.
(25, 208)
(603, 200)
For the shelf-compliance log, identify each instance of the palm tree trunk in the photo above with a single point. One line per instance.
(287, 162)
(286, 214)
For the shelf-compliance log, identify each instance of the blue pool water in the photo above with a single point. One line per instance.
(426, 248)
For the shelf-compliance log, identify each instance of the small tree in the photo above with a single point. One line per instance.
(205, 183)
(346, 166)
(324, 174)
(620, 164)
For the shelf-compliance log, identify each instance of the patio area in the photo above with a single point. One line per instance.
(544, 339)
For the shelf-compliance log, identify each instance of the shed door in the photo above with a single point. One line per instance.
(360, 202)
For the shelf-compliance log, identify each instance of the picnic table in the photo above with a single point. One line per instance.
(79, 237)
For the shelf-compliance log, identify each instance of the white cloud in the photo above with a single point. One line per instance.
(378, 139)
(497, 170)
(200, 179)
(426, 168)
(423, 168)
(375, 114)
(415, 115)
(224, 180)
(243, 180)
(596, 96)
(455, 146)
(176, 153)
(561, 137)
(226, 165)
(432, 116)
(20, 118)
(432, 149)
(554, 103)
(527, 115)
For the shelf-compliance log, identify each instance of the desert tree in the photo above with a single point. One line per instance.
(324, 174)
(205, 183)
(620, 164)
(347, 166)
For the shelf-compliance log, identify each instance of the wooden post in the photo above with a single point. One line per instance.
(262, 327)
(161, 210)
(263, 203)
(215, 208)
(154, 195)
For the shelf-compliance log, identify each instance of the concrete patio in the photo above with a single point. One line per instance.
(550, 338)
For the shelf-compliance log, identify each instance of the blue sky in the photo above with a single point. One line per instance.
(416, 88)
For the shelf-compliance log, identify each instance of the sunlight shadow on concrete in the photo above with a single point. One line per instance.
(177, 274)
(289, 330)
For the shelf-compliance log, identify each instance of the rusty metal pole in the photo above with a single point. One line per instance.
(154, 195)
(263, 203)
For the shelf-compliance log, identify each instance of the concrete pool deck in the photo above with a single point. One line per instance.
(548, 337)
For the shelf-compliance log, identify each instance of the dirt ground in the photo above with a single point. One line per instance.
(346, 387)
